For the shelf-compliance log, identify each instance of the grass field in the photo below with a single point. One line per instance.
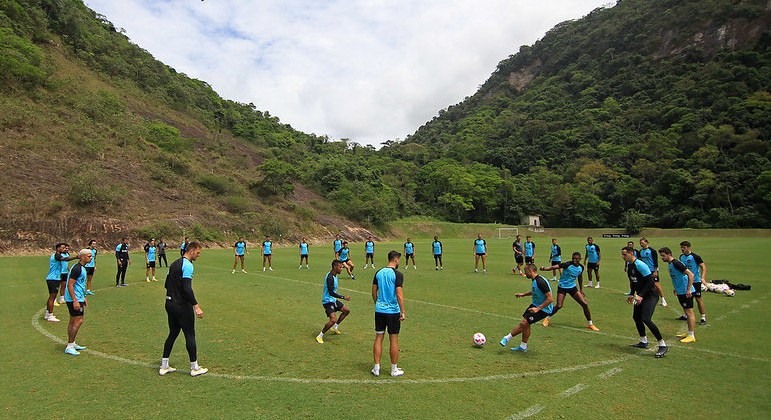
(257, 339)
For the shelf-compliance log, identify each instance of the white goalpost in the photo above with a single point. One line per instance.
(507, 233)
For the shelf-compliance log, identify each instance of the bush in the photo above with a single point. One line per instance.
(85, 193)
(215, 184)
(200, 233)
(160, 230)
(166, 137)
(632, 221)
(237, 204)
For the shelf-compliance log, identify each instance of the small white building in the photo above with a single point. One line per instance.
(532, 220)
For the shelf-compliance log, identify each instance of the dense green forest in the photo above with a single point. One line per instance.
(652, 112)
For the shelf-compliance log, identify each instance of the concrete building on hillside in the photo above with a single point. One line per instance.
(532, 220)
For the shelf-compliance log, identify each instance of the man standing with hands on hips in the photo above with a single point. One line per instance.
(389, 311)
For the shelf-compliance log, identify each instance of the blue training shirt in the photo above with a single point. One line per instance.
(338, 244)
(556, 253)
(479, 246)
(649, 257)
(409, 248)
(569, 276)
(369, 247)
(54, 267)
(692, 262)
(593, 253)
(529, 249)
(540, 288)
(151, 253)
(79, 274)
(679, 278)
(327, 296)
(187, 269)
(387, 280)
(344, 253)
(304, 248)
(437, 247)
(93, 258)
(240, 248)
(64, 263)
(266, 247)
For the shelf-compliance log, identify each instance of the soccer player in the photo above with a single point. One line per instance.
(183, 246)
(519, 254)
(162, 253)
(389, 311)
(345, 259)
(682, 280)
(124, 260)
(53, 279)
(572, 272)
(181, 309)
(267, 253)
(63, 271)
(150, 253)
(304, 254)
(630, 244)
(649, 257)
(540, 307)
(593, 256)
(239, 248)
(90, 266)
(480, 251)
(644, 301)
(330, 302)
(555, 257)
(75, 296)
(699, 270)
(369, 252)
(409, 252)
(529, 251)
(437, 247)
(336, 245)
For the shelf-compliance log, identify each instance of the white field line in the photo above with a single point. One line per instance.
(529, 412)
(572, 391)
(610, 373)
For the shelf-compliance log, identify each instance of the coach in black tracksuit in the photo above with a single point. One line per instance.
(642, 284)
(123, 259)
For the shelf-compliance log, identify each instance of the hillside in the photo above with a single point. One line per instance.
(98, 139)
(654, 112)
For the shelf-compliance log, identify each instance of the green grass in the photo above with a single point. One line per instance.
(263, 325)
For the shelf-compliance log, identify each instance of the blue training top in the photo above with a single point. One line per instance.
(679, 278)
(344, 254)
(387, 280)
(691, 261)
(649, 257)
(409, 248)
(479, 246)
(93, 258)
(303, 248)
(54, 267)
(569, 276)
(327, 296)
(437, 247)
(540, 288)
(266, 247)
(529, 249)
(369, 247)
(64, 263)
(240, 248)
(151, 253)
(556, 253)
(338, 244)
(593, 253)
(79, 274)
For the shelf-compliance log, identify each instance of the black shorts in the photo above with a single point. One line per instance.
(266, 255)
(437, 255)
(592, 266)
(63, 277)
(370, 255)
(555, 262)
(529, 260)
(408, 256)
(389, 321)
(240, 255)
(151, 264)
(53, 286)
(333, 307)
(572, 291)
(520, 259)
(686, 302)
(90, 271)
(301, 255)
(656, 278)
(73, 312)
(480, 254)
(532, 318)
(345, 261)
(697, 286)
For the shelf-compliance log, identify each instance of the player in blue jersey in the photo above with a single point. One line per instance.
(389, 311)
(151, 251)
(480, 251)
(409, 252)
(529, 246)
(75, 296)
(682, 281)
(91, 266)
(570, 283)
(124, 260)
(336, 245)
(345, 258)
(304, 248)
(651, 259)
(593, 257)
(540, 307)
(644, 299)
(330, 303)
(54, 278)
(436, 246)
(239, 248)
(267, 253)
(694, 263)
(183, 246)
(555, 257)
(63, 272)
(369, 252)
(519, 254)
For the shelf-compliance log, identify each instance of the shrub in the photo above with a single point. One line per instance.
(632, 221)
(166, 137)
(237, 204)
(84, 192)
(160, 230)
(215, 184)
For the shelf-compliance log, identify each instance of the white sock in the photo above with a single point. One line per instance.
(704, 316)
(377, 367)
(70, 345)
(334, 327)
(509, 337)
(321, 335)
(644, 340)
(165, 363)
(147, 278)
(662, 343)
(589, 322)
(523, 345)
(48, 314)
(194, 365)
(690, 334)
(549, 318)
(394, 368)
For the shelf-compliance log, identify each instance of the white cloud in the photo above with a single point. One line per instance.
(368, 70)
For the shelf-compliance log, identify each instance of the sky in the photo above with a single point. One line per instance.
(365, 70)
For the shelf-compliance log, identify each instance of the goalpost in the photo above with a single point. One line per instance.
(507, 233)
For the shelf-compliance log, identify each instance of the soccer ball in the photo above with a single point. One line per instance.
(729, 292)
(479, 339)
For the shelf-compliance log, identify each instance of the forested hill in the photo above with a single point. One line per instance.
(651, 111)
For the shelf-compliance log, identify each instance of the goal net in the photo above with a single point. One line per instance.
(507, 233)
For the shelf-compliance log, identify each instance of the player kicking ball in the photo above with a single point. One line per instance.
(540, 308)
(330, 302)
(572, 273)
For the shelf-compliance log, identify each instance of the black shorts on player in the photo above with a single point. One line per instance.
(685, 302)
(63, 277)
(697, 287)
(266, 255)
(151, 264)
(370, 255)
(529, 260)
(519, 259)
(53, 286)
(532, 318)
(73, 312)
(572, 291)
(89, 271)
(407, 256)
(333, 307)
(592, 266)
(556, 262)
(480, 254)
(389, 321)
